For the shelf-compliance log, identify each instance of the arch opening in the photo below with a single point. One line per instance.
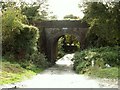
(66, 44)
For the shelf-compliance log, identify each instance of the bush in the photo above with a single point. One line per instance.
(39, 60)
(61, 53)
(26, 42)
(19, 40)
(12, 20)
(100, 56)
(23, 43)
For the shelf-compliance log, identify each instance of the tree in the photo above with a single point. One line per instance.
(54, 17)
(102, 31)
(12, 21)
(71, 17)
(18, 39)
(35, 11)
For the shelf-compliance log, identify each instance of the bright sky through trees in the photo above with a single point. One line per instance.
(61, 8)
(65, 7)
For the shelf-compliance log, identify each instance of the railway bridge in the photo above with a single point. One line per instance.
(52, 30)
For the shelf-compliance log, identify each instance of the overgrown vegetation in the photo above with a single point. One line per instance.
(111, 72)
(14, 72)
(67, 44)
(98, 61)
(101, 58)
(104, 22)
(61, 52)
(20, 53)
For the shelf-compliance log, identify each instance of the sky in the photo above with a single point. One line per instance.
(65, 7)
(60, 8)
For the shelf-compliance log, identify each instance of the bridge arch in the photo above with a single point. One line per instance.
(57, 37)
(53, 30)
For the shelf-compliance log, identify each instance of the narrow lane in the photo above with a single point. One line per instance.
(59, 76)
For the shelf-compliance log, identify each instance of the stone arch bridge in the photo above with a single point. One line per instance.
(52, 30)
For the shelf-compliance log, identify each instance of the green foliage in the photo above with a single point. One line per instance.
(29, 38)
(71, 17)
(80, 62)
(61, 52)
(111, 72)
(13, 72)
(11, 67)
(39, 60)
(11, 22)
(104, 27)
(30, 11)
(69, 43)
(101, 56)
(25, 49)
(70, 39)
(35, 11)
(23, 42)
(20, 41)
(81, 68)
(53, 17)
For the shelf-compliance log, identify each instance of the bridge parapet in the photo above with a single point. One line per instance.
(62, 24)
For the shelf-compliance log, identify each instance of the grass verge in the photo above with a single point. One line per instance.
(13, 72)
(111, 73)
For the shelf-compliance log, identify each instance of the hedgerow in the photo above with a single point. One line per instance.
(101, 57)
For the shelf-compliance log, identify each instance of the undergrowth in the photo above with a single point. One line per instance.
(100, 62)
(13, 72)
